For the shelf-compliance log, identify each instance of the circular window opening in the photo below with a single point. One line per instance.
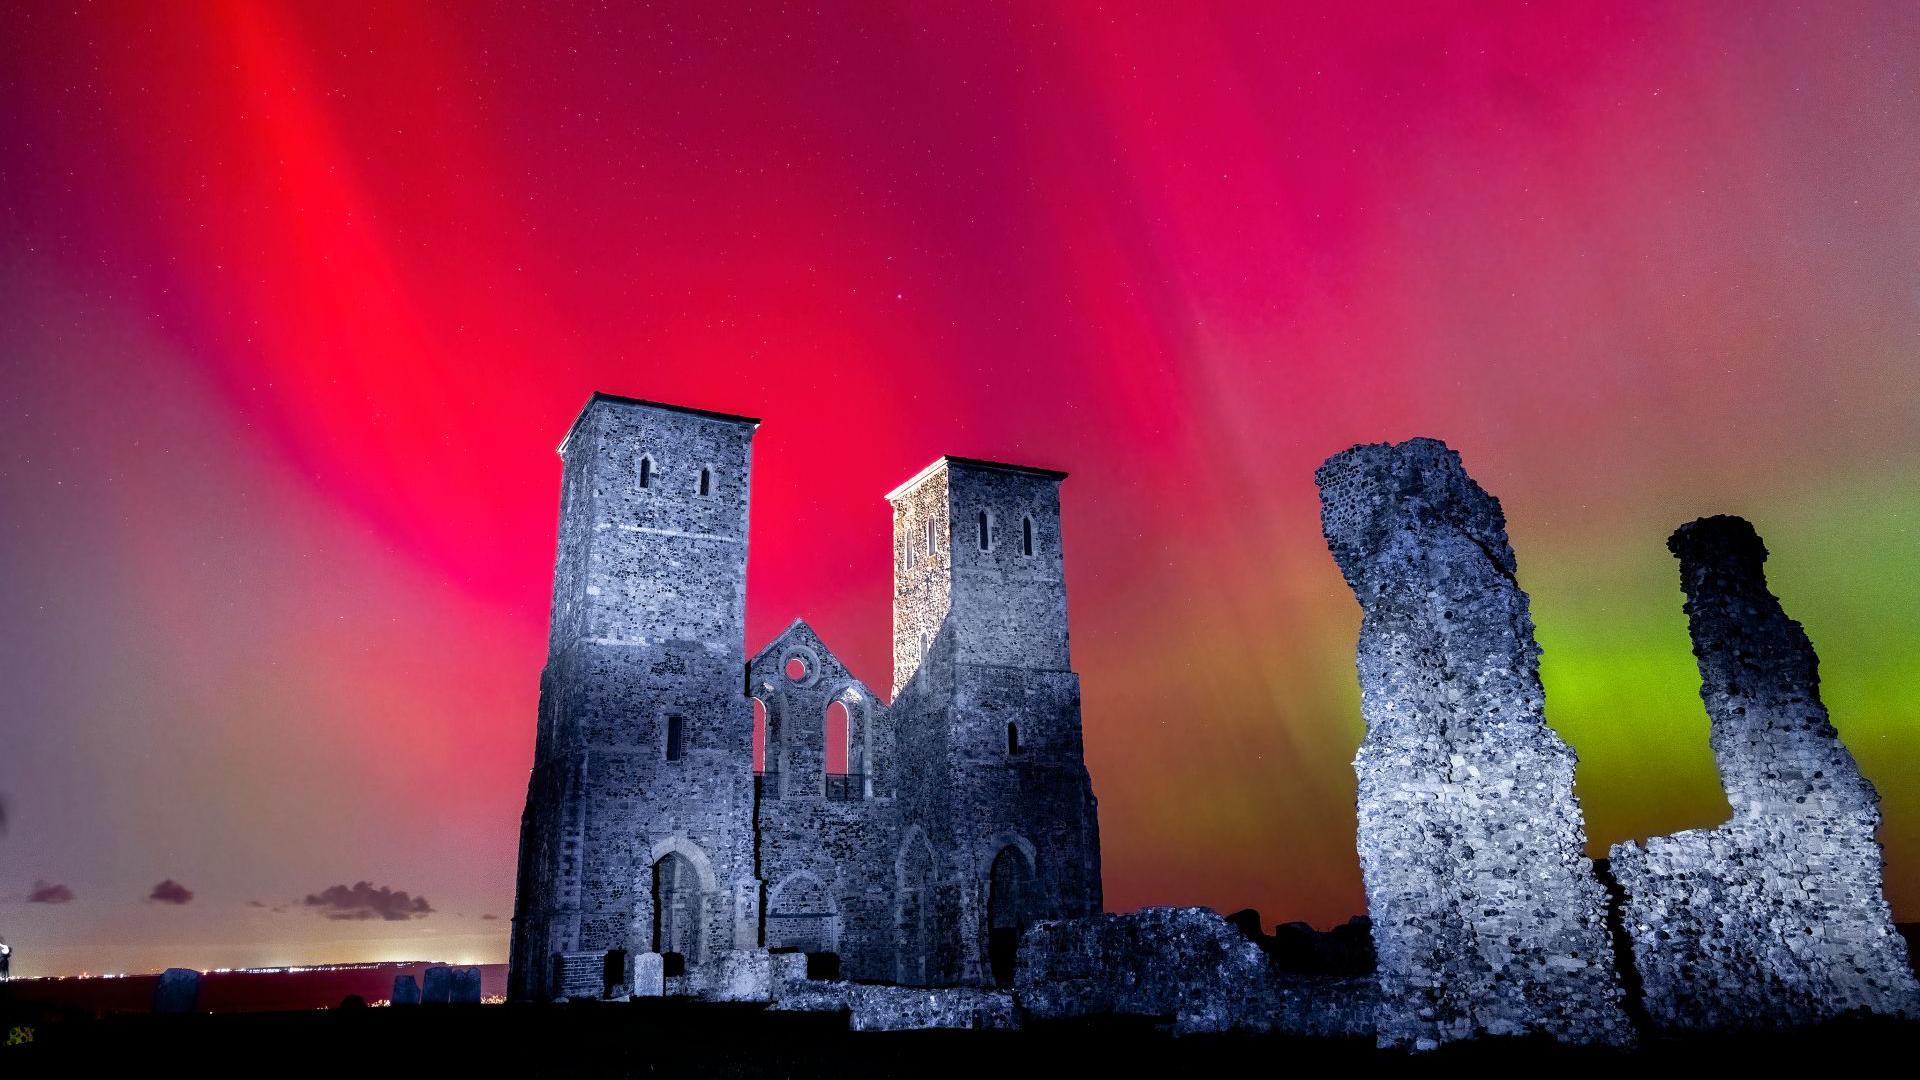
(796, 668)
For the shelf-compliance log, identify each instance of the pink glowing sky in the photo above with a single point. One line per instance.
(296, 302)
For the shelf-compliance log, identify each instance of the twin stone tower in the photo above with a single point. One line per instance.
(912, 850)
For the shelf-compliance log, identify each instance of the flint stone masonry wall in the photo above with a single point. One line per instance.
(1188, 966)
(1487, 916)
(1777, 917)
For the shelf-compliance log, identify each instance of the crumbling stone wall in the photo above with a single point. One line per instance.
(1777, 917)
(1487, 917)
(1188, 967)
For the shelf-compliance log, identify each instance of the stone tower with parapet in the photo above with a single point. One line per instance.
(638, 830)
(986, 714)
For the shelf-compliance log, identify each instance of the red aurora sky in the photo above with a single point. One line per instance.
(296, 302)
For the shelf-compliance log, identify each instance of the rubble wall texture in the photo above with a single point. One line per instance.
(1777, 917)
(648, 638)
(1487, 916)
(1188, 966)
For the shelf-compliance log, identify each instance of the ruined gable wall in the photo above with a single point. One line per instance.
(1487, 917)
(1776, 917)
(826, 854)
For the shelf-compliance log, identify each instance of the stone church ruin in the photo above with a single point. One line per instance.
(930, 856)
(914, 849)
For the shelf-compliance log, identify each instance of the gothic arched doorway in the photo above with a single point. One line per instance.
(1009, 910)
(677, 908)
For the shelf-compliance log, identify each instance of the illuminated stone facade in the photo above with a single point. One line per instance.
(913, 850)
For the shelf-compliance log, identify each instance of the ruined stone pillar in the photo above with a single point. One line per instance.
(1487, 916)
(1776, 917)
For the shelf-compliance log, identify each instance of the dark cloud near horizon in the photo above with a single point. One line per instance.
(362, 900)
(489, 918)
(46, 892)
(170, 892)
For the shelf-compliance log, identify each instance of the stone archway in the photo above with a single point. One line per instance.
(679, 888)
(1011, 904)
(913, 917)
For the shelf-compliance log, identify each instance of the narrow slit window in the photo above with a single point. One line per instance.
(646, 472)
(1026, 539)
(676, 737)
(706, 481)
(930, 547)
(986, 533)
(1013, 738)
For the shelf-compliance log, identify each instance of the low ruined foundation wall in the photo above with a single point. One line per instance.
(1187, 966)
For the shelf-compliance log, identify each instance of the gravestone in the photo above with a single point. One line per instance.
(177, 992)
(439, 986)
(649, 975)
(465, 986)
(406, 990)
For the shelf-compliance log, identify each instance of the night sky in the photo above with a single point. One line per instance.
(295, 305)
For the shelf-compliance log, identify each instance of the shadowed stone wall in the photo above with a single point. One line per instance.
(1487, 916)
(1776, 917)
(999, 824)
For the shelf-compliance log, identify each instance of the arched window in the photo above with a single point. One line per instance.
(646, 472)
(930, 547)
(838, 725)
(706, 481)
(1026, 539)
(986, 532)
(676, 737)
(1013, 738)
(906, 549)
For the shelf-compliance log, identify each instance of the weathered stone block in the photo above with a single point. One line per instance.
(1777, 917)
(439, 986)
(649, 975)
(406, 990)
(463, 986)
(177, 992)
(1487, 917)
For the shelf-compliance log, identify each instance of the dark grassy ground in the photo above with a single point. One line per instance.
(688, 1039)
